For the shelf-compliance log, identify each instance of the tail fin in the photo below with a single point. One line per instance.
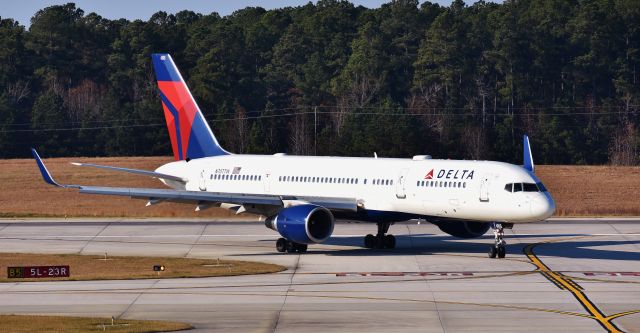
(190, 134)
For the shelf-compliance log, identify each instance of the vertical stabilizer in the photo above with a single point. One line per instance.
(528, 158)
(190, 134)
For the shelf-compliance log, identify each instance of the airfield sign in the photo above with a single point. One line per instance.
(27, 272)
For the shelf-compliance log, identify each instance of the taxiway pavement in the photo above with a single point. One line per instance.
(572, 275)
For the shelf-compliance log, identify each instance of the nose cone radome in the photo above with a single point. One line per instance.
(543, 207)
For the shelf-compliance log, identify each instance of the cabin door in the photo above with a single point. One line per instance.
(401, 184)
(484, 187)
(266, 181)
(203, 181)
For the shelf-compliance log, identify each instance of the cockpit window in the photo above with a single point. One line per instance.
(526, 187)
(517, 187)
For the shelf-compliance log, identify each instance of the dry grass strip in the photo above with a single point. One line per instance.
(86, 267)
(28, 324)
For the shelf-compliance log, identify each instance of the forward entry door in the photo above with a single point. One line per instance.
(484, 187)
(401, 184)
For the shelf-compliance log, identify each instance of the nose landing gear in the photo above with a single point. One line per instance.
(499, 248)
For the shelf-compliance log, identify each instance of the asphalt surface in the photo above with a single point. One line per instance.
(560, 275)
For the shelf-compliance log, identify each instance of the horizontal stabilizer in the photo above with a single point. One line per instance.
(135, 171)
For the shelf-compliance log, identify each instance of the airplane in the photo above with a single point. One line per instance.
(302, 196)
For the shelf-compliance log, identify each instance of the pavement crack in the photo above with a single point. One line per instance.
(136, 299)
(204, 227)
(286, 294)
(94, 237)
(426, 281)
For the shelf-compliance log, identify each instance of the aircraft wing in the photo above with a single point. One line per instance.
(197, 197)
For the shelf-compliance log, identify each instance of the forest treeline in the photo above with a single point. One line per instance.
(331, 78)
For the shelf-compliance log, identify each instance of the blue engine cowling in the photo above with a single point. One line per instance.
(464, 229)
(304, 224)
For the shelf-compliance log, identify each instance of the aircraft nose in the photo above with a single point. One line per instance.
(543, 206)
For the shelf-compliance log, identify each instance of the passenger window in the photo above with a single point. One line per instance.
(365, 181)
(464, 185)
(517, 187)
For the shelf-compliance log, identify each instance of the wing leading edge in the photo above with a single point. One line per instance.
(197, 197)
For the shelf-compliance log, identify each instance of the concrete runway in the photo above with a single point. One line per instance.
(560, 275)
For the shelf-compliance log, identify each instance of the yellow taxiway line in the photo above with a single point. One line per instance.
(565, 283)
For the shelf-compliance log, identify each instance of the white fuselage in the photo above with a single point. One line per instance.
(453, 189)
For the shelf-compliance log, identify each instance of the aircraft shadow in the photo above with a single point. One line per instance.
(424, 244)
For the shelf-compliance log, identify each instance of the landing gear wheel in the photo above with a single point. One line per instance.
(499, 248)
(389, 242)
(492, 252)
(369, 241)
(380, 240)
(301, 248)
(281, 245)
(291, 247)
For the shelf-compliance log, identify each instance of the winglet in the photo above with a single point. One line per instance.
(43, 169)
(528, 158)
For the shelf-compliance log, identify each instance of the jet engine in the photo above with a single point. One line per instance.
(303, 224)
(464, 229)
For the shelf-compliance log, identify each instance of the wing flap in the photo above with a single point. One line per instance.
(347, 204)
(183, 196)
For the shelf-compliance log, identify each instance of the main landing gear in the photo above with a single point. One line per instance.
(499, 248)
(283, 245)
(380, 241)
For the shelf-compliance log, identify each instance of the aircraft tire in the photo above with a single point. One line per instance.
(291, 247)
(502, 252)
(389, 242)
(281, 245)
(369, 241)
(492, 252)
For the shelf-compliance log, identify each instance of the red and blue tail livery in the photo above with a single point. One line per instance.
(190, 134)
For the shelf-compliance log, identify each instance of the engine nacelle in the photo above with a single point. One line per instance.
(464, 229)
(304, 224)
